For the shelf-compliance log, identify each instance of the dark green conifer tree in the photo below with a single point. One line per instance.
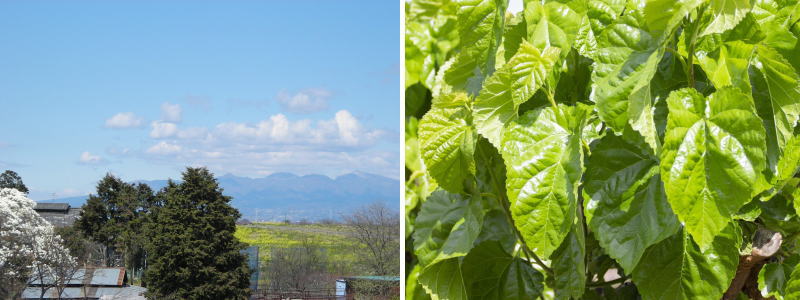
(10, 179)
(192, 250)
(114, 217)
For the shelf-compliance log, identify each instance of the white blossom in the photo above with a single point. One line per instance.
(28, 244)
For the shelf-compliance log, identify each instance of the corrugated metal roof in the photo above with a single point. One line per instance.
(95, 277)
(52, 206)
(381, 278)
(128, 292)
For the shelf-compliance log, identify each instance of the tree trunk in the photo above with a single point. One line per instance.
(765, 244)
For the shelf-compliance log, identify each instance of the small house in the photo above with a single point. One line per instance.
(58, 214)
(90, 283)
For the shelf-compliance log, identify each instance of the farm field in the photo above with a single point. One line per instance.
(271, 235)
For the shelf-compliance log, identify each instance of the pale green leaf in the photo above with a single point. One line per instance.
(628, 205)
(447, 144)
(480, 29)
(502, 94)
(551, 24)
(712, 158)
(544, 162)
(725, 14)
(663, 16)
(728, 65)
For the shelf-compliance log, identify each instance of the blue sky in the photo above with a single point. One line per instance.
(144, 88)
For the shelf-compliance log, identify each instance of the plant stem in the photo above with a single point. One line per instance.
(415, 175)
(504, 204)
(553, 104)
(690, 47)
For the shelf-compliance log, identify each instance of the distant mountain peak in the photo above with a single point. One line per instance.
(281, 195)
(281, 175)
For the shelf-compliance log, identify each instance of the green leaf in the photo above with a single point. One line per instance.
(569, 267)
(444, 280)
(663, 16)
(491, 273)
(778, 214)
(551, 24)
(415, 291)
(446, 227)
(502, 94)
(676, 268)
(447, 143)
(480, 28)
(628, 207)
(585, 40)
(602, 13)
(544, 161)
(778, 102)
(515, 33)
(712, 158)
(427, 9)
(728, 65)
(773, 277)
(793, 286)
(413, 160)
(626, 60)
(496, 227)
(725, 14)
(789, 163)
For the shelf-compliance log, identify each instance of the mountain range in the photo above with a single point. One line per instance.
(282, 196)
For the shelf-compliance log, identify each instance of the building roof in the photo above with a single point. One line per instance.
(128, 292)
(41, 206)
(109, 277)
(379, 278)
(58, 214)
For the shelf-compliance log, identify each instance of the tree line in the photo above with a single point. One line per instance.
(177, 242)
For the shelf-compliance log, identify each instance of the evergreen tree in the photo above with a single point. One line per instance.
(115, 218)
(10, 179)
(192, 251)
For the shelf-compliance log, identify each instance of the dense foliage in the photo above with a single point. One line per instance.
(114, 217)
(192, 251)
(11, 180)
(575, 141)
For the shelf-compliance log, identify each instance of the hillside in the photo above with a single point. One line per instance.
(283, 196)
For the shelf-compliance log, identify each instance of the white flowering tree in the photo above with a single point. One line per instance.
(30, 251)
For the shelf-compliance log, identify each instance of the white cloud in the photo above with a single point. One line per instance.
(349, 128)
(170, 112)
(305, 101)
(277, 143)
(163, 130)
(164, 148)
(90, 159)
(124, 120)
(192, 133)
(343, 130)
